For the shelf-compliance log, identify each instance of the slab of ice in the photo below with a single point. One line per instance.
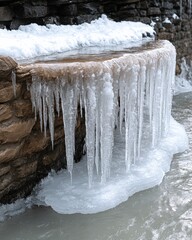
(56, 190)
(34, 40)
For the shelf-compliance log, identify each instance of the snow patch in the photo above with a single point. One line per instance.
(33, 40)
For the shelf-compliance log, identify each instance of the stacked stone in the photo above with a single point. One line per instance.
(25, 153)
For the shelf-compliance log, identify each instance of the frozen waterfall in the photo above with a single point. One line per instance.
(126, 92)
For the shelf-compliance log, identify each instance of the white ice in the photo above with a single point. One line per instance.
(33, 40)
(167, 20)
(56, 190)
(183, 81)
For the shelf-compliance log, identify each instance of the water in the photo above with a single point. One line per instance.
(162, 212)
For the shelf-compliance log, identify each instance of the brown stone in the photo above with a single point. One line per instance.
(23, 108)
(9, 153)
(5, 181)
(59, 133)
(7, 65)
(35, 143)
(52, 156)
(16, 131)
(4, 170)
(5, 14)
(25, 170)
(7, 93)
(5, 112)
(154, 11)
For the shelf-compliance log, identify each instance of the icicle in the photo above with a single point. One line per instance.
(69, 109)
(106, 125)
(51, 114)
(131, 115)
(90, 115)
(140, 104)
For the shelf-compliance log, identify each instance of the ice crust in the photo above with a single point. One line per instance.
(33, 40)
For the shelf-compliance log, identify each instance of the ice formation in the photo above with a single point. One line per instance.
(183, 82)
(57, 192)
(113, 92)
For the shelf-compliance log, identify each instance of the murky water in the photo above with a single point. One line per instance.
(163, 212)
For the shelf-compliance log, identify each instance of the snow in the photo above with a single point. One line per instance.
(174, 16)
(33, 40)
(166, 20)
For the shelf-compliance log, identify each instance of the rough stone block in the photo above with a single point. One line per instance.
(25, 170)
(144, 4)
(15, 131)
(29, 11)
(9, 152)
(36, 143)
(5, 112)
(7, 93)
(86, 18)
(89, 8)
(68, 10)
(5, 14)
(167, 5)
(127, 1)
(5, 181)
(52, 156)
(23, 108)
(7, 65)
(154, 11)
(4, 170)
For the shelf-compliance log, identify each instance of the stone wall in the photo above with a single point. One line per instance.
(26, 154)
(14, 13)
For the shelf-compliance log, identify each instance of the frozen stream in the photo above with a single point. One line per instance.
(163, 212)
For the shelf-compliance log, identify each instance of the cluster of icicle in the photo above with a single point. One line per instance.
(113, 93)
